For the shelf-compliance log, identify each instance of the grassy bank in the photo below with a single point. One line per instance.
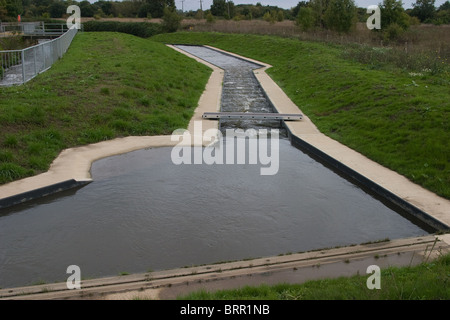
(393, 115)
(427, 281)
(107, 85)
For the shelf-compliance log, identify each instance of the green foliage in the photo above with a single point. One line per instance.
(223, 8)
(305, 18)
(13, 8)
(340, 15)
(392, 12)
(210, 18)
(10, 172)
(424, 10)
(268, 17)
(57, 9)
(171, 20)
(337, 15)
(394, 20)
(140, 29)
(392, 32)
(280, 16)
(319, 8)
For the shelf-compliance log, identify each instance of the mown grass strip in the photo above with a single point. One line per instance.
(394, 116)
(108, 85)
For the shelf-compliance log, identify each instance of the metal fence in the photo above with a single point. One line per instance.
(21, 27)
(20, 66)
(32, 29)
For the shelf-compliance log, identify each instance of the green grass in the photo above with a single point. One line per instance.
(396, 116)
(427, 281)
(107, 85)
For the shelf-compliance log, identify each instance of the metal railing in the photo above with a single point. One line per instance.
(20, 66)
(20, 27)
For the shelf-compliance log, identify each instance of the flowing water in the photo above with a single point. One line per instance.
(142, 212)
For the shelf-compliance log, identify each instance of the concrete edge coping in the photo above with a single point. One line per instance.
(422, 203)
(422, 247)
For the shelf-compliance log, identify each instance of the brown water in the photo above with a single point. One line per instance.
(144, 213)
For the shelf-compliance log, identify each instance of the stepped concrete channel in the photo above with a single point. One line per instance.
(241, 91)
(246, 87)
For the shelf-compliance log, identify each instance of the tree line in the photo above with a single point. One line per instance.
(10, 9)
(338, 15)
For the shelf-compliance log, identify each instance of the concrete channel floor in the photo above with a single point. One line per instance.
(75, 164)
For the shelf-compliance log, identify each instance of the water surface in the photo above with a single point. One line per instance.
(144, 213)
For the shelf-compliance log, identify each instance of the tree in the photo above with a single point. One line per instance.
(424, 10)
(280, 16)
(3, 11)
(171, 20)
(295, 10)
(269, 17)
(445, 6)
(319, 8)
(57, 9)
(14, 7)
(219, 8)
(443, 14)
(106, 6)
(145, 10)
(392, 12)
(305, 18)
(87, 10)
(340, 15)
(156, 7)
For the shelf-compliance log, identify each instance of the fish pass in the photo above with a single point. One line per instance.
(229, 149)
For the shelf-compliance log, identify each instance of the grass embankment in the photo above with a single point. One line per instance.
(107, 85)
(399, 117)
(427, 281)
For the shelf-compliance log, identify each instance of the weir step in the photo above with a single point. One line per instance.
(252, 116)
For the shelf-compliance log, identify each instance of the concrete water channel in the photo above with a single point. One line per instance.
(142, 212)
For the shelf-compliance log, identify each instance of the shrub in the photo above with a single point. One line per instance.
(340, 15)
(171, 20)
(210, 18)
(140, 29)
(305, 18)
(392, 32)
(268, 17)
